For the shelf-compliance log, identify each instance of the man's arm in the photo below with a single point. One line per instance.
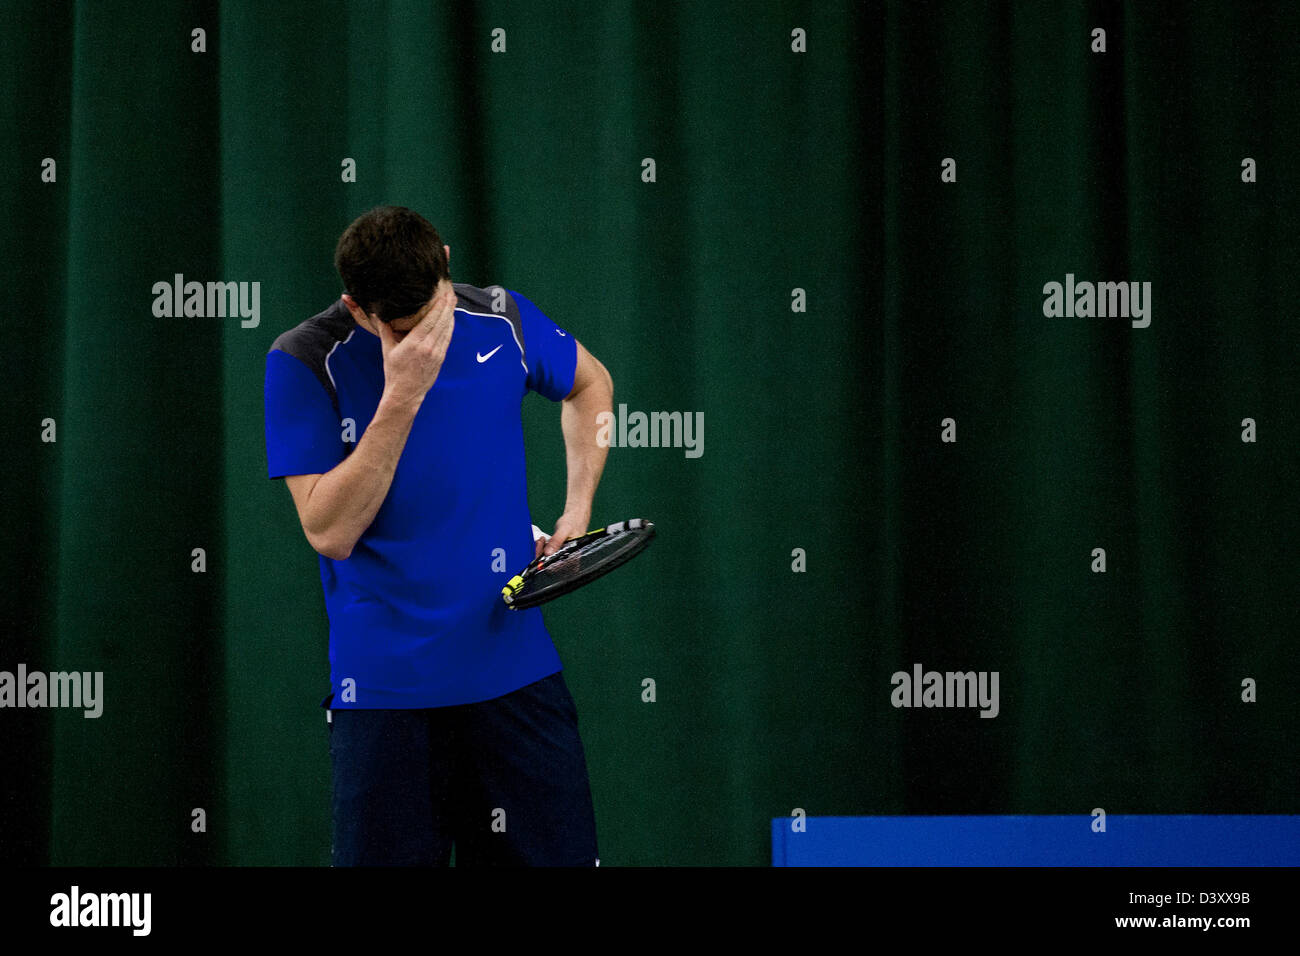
(592, 393)
(337, 507)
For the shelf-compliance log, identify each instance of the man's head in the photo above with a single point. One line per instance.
(391, 260)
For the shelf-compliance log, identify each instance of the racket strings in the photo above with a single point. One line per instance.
(565, 564)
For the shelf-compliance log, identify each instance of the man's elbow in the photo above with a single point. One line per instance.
(336, 554)
(334, 548)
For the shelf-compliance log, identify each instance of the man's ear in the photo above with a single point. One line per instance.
(447, 249)
(358, 313)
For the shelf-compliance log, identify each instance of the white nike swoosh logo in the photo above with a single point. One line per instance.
(483, 358)
(561, 333)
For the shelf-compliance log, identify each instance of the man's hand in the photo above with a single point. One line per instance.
(569, 526)
(412, 363)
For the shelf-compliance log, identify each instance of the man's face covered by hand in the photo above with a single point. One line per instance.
(402, 325)
(407, 322)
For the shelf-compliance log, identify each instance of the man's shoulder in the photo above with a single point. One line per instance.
(494, 300)
(312, 340)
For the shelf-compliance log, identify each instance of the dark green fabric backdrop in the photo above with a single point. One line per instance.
(775, 171)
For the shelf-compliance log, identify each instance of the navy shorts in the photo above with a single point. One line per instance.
(504, 780)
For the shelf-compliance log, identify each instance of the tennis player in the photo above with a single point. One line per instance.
(394, 417)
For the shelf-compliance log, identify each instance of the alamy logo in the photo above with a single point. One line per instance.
(58, 689)
(75, 908)
(656, 430)
(950, 689)
(210, 300)
(1086, 300)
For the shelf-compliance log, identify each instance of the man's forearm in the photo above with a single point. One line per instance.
(346, 499)
(584, 455)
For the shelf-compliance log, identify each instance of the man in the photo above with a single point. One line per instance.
(394, 418)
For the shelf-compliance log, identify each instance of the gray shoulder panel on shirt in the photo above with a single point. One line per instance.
(311, 342)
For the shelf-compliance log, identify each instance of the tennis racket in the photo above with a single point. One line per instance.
(579, 561)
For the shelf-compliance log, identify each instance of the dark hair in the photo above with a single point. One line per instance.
(390, 260)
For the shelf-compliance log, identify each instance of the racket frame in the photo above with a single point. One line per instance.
(510, 592)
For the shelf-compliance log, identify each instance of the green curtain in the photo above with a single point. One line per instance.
(775, 171)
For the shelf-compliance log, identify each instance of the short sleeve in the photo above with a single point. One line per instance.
(550, 352)
(303, 434)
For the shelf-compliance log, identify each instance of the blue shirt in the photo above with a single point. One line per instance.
(415, 612)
